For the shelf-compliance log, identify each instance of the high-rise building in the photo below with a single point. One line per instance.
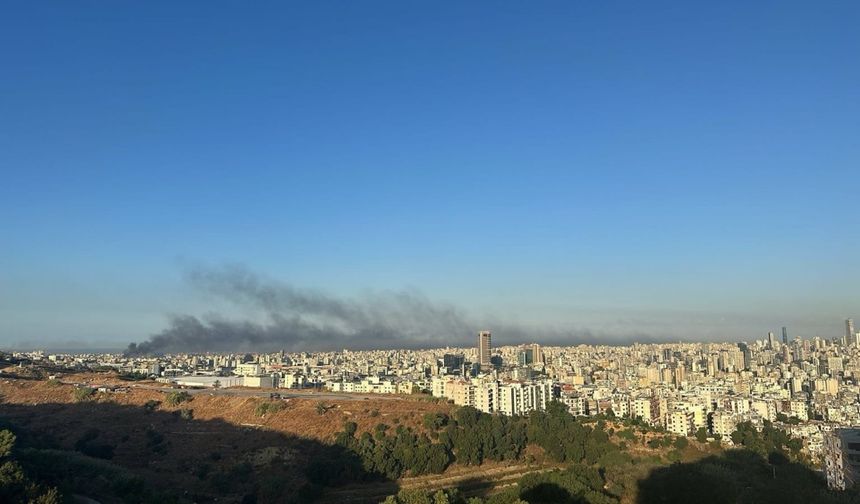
(453, 362)
(537, 353)
(842, 458)
(771, 340)
(784, 336)
(484, 348)
(745, 350)
(849, 331)
(525, 357)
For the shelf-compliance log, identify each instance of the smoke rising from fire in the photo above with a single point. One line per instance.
(304, 319)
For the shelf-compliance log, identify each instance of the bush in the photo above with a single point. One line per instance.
(132, 376)
(186, 414)
(176, 398)
(76, 473)
(82, 394)
(151, 405)
(268, 407)
(681, 443)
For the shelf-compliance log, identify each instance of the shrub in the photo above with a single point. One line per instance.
(176, 398)
(83, 393)
(321, 408)
(268, 407)
(186, 414)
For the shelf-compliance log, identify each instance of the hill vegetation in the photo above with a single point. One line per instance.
(146, 446)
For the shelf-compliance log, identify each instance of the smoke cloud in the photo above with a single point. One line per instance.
(300, 319)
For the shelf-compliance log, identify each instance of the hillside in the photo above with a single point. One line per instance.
(193, 444)
(165, 445)
(298, 415)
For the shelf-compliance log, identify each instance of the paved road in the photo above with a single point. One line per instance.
(246, 392)
(285, 393)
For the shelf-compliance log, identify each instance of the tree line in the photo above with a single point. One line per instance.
(470, 437)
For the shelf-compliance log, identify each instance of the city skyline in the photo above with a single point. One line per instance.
(430, 253)
(246, 310)
(723, 401)
(137, 349)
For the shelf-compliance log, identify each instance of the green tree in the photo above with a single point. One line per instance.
(441, 497)
(349, 428)
(7, 442)
(50, 496)
(435, 421)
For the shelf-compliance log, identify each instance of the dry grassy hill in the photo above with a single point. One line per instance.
(225, 434)
(297, 416)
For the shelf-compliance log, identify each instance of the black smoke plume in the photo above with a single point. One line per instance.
(298, 319)
(304, 319)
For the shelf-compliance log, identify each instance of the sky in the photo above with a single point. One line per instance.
(664, 170)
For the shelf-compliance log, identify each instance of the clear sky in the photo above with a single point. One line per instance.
(677, 169)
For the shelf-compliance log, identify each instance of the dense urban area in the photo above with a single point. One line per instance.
(393, 252)
(584, 423)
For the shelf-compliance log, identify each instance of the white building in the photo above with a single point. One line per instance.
(842, 458)
(248, 369)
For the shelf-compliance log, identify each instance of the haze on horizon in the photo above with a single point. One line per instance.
(567, 172)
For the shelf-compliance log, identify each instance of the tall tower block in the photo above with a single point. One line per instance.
(484, 348)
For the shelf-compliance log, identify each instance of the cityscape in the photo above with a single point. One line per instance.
(809, 388)
(394, 252)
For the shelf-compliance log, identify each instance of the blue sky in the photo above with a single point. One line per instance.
(686, 170)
